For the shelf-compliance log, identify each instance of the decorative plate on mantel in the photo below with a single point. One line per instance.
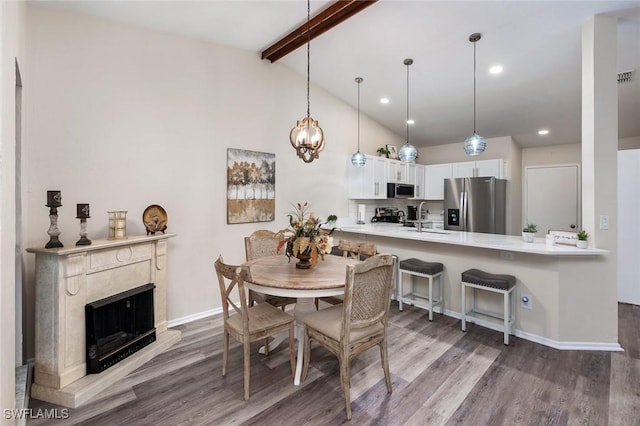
(154, 219)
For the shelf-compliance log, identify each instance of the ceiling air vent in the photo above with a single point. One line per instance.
(624, 77)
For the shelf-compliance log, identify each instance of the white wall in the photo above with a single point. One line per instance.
(11, 47)
(121, 118)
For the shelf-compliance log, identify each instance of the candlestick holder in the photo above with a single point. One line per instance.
(54, 200)
(83, 215)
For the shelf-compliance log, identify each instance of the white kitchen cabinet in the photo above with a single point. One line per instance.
(464, 169)
(481, 168)
(396, 171)
(493, 168)
(435, 175)
(368, 181)
(415, 176)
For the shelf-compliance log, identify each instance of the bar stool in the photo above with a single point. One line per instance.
(420, 268)
(503, 284)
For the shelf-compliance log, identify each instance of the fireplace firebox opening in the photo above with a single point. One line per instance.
(118, 326)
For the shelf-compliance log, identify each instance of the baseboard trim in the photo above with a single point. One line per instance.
(561, 345)
(556, 344)
(194, 317)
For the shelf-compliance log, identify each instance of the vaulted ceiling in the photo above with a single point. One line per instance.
(538, 44)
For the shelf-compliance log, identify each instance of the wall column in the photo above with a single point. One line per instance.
(600, 150)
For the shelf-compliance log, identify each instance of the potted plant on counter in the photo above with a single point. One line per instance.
(529, 233)
(583, 238)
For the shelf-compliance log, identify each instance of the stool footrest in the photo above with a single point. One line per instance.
(423, 303)
(471, 315)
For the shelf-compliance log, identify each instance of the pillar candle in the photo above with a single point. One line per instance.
(54, 199)
(83, 211)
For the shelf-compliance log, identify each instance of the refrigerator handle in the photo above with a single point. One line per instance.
(463, 210)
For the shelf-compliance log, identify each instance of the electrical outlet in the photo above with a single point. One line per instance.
(526, 301)
(604, 221)
(506, 255)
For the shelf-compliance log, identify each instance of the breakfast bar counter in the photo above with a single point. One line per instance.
(471, 239)
(572, 298)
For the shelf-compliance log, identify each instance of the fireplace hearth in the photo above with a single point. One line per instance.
(118, 326)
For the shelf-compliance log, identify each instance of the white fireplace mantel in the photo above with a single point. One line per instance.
(68, 278)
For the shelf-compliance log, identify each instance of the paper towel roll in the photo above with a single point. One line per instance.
(361, 213)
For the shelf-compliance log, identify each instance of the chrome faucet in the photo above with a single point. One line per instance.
(419, 216)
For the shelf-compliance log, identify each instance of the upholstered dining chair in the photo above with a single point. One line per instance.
(260, 244)
(248, 324)
(355, 250)
(357, 325)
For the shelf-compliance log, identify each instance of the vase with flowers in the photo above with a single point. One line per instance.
(304, 238)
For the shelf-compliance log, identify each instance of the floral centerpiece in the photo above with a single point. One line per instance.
(304, 238)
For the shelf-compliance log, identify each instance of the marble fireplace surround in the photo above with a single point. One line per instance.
(67, 278)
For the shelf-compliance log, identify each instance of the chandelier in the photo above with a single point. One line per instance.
(307, 137)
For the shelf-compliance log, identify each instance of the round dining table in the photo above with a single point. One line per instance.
(278, 276)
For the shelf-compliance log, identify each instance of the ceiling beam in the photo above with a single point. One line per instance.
(335, 13)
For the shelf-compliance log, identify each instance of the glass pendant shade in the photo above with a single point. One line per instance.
(407, 153)
(307, 138)
(474, 145)
(358, 159)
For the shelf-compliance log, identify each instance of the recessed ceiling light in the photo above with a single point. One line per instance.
(384, 101)
(543, 132)
(496, 69)
(410, 121)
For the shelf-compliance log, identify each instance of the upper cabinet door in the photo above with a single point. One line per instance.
(481, 168)
(415, 176)
(466, 169)
(396, 171)
(368, 181)
(434, 180)
(493, 168)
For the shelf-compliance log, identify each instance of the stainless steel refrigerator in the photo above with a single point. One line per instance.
(475, 204)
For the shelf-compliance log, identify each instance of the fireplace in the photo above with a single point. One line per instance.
(118, 326)
(70, 278)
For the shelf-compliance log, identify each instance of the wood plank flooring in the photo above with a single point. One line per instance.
(440, 375)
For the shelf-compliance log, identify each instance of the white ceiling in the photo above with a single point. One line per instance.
(537, 42)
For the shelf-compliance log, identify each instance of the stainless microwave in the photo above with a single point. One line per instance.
(400, 190)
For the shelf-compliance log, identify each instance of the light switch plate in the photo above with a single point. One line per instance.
(604, 221)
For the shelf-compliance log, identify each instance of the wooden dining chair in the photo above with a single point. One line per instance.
(260, 244)
(248, 324)
(360, 323)
(355, 250)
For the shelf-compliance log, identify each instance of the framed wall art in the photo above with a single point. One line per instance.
(251, 186)
(393, 151)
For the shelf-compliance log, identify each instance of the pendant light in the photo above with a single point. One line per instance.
(307, 137)
(358, 159)
(474, 144)
(408, 152)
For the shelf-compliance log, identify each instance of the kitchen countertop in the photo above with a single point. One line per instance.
(470, 239)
